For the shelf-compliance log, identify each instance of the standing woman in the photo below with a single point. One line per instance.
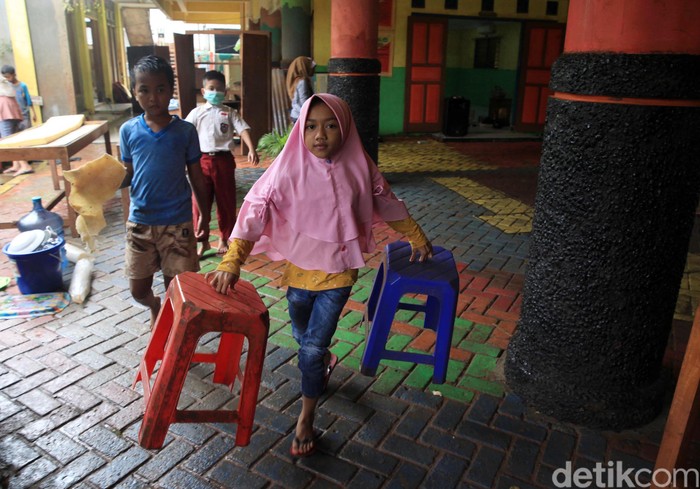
(299, 85)
(10, 119)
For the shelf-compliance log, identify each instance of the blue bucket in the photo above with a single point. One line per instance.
(38, 271)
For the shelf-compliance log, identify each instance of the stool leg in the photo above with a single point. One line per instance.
(432, 313)
(374, 295)
(443, 342)
(228, 358)
(161, 406)
(156, 345)
(250, 388)
(379, 332)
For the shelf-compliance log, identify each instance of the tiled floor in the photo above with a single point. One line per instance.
(69, 418)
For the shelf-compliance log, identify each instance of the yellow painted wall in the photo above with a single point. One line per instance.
(22, 48)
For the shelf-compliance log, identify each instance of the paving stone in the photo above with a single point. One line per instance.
(375, 429)
(260, 444)
(105, 441)
(286, 474)
(33, 473)
(39, 402)
(559, 448)
(330, 467)
(520, 428)
(78, 397)
(195, 433)
(180, 479)
(409, 449)
(483, 435)
(523, 458)
(337, 435)
(66, 379)
(448, 442)
(29, 384)
(16, 452)
(447, 472)
(75, 471)
(484, 466)
(413, 422)
(449, 415)
(209, 454)
(365, 479)
(119, 467)
(366, 456)
(8, 408)
(89, 419)
(60, 447)
(407, 476)
(229, 474)
(164, 460)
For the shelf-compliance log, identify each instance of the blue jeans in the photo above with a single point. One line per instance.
(314, 316)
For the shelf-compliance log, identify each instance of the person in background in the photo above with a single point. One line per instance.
(10, 119)
(22, 95)
(160, 152)
(299, 86)
(216, 125)
(314, 207)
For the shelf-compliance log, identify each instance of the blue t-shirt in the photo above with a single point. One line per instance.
(160, 192)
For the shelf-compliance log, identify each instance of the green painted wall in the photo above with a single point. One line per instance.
(391, 102)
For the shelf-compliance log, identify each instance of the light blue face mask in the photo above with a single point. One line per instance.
(214, 97)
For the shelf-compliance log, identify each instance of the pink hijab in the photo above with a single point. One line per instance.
(317, 213)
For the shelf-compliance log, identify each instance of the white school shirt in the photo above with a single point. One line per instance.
(216, 125)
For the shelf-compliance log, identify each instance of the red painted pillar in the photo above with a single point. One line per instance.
(353, 70)
(617, 194)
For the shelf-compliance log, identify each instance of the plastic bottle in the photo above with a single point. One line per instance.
(39, 218)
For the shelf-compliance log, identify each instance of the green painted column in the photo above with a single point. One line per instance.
(296, 30)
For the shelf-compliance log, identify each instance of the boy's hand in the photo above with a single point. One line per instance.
(424, 252)
(253, 157)
(221, 281)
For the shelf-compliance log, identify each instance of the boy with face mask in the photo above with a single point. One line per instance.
(216, 125)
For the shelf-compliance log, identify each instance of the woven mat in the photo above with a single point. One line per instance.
(32, 305)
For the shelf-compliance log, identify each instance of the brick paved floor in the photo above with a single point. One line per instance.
(69, 418)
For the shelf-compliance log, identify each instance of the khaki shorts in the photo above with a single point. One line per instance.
(172, 249)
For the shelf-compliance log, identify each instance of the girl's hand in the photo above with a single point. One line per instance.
(423, 253)
(253, 157)
(221, 281)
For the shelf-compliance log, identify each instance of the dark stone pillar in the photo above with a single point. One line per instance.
(357, 82)
(616, 198)
(272, 22)
(353, 70)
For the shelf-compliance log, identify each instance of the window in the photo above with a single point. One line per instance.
(552, 8)
(451, 4)
(487, 5)
(418, 3)
(523, 6)
(486, 52)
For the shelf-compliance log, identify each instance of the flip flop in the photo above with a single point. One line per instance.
(295, 453)
(25, 172)
(9, 170)
(329, 370)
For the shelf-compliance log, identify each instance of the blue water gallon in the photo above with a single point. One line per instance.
(39, 218)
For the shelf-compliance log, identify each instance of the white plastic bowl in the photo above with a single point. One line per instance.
(27, 242)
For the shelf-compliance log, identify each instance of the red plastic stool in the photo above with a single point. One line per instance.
(191, 309)
(436, 278)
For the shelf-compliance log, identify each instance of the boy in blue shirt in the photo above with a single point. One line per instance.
(160, 152)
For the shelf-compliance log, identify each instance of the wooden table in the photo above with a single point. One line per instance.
(62, 149)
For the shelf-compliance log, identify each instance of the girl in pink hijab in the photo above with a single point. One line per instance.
(314, 207)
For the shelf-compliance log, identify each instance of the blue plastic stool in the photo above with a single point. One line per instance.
(436, 278)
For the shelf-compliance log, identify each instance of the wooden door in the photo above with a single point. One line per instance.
(542, 45)
(425, 73)
(256, 74)
(184, 73)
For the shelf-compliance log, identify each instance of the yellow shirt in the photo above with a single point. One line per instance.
(239, 249)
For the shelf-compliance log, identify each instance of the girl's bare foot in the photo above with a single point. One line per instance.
(304, 442)
(222, 248)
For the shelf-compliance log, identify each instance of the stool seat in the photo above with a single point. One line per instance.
(190, 310)
(436, 278)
